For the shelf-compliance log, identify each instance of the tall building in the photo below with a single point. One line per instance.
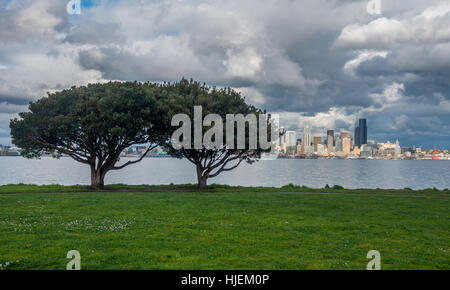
(337, 143)
(306, 138)
(330, 140)
(361, 133)
(299, 146)
(317, 141)
(345, 134)
(357, 144)
(398, 149)
(320, 149)
(290, 139)
(346, 141)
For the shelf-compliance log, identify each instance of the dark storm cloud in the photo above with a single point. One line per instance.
(377, 67)
(14, 100)
(119, 64)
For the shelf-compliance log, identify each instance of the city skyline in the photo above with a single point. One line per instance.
(323, 133)
(343, 146)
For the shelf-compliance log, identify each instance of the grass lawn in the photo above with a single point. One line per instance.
(171, 227)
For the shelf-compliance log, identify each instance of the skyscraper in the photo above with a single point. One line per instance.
(345, 134)
(299, 146)
(346, 145)
(317, 141)
(290, 139)
(330, 140)
(362, 131)
(357, 137)
(337, 143)
(306, 138)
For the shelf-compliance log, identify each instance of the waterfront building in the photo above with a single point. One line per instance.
(337, 144)
(356, 142)
(306, 138)
(362, 132)
(290, 139)
(345, 134)
(398, 149)
(406, 149)
(317, 141)
(299, 147)
(356, 151)
(320, 149)
(346, 143)
(330, 140)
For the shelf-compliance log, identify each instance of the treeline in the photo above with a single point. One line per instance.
(93, 124)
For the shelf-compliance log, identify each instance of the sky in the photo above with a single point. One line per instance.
(321, 63)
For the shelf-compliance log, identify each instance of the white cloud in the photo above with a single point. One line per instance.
(35, 18)
(392, 94)
(244, 64)
(432, 25)
(433, 12)
(380, 33)
(335, 118)
(252, 95)
(364, 55)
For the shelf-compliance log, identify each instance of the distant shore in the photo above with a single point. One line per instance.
(280, 158)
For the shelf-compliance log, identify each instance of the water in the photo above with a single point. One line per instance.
(416, 174)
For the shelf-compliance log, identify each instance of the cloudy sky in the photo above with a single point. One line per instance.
(322, 63)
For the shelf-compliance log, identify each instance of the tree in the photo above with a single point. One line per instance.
(92, 124)
(182, 98)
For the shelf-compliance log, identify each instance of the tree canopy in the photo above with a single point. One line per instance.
(181, 98)
(93, 124)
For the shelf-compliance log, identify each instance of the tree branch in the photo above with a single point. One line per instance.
(135, 161)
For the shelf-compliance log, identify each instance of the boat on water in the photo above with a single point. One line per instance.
(269, 156)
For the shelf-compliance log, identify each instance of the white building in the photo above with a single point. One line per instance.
(291, 140)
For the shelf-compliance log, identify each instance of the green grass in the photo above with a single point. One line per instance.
(175, 227)
(55, 188)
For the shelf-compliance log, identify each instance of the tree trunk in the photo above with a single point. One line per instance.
(97, 179)
(202, 182)
(202, 179)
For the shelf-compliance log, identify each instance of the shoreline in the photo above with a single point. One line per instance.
(280, 158)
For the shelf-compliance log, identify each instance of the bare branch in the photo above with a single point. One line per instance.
(135, 161)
